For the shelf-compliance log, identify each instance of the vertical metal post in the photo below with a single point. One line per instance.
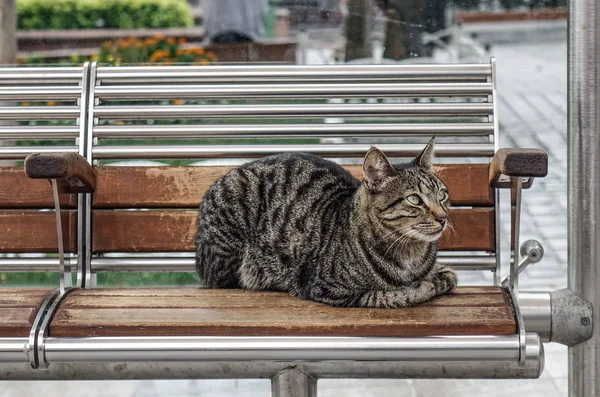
(292, 382)
(584, 184)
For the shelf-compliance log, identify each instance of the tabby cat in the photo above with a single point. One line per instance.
(303, 224)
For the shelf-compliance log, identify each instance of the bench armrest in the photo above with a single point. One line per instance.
(73, 173)
(528, 163)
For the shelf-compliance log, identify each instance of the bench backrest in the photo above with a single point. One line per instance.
(189, 114)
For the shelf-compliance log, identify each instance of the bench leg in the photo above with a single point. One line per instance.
(292, 382)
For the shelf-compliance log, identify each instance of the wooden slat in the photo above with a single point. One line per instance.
(207, 298)
(184, 187)
(248, 313)
(34, 231)
(18, 308)
(166, 231)
(19, 191)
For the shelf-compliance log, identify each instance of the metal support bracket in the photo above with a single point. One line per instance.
(520, 325)
(65, 271)
(293, 382)
(572, 318)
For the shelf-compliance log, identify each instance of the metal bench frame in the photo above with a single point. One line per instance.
(292, 362)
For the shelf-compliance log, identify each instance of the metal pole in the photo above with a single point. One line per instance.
(584, 184)
(292, 382)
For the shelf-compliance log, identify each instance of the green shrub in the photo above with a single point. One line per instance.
(90, 14)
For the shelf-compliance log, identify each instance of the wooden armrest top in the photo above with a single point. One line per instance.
(518, 162)
(74, 173)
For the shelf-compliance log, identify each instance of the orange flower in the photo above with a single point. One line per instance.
(51, 103)
(179, 52)
(177, 102)
(171, 41)
(159, 36)
(181, 41)
(25, 104)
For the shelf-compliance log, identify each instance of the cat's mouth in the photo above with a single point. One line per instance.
(429, 233)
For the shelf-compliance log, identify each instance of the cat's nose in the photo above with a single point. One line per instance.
(442, 221)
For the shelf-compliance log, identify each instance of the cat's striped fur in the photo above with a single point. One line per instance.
(302, 224)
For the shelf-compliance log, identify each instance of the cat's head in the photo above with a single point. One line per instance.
(408, 198)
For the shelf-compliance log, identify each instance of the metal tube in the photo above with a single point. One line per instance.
(243, 151)
(534, 365)
(265, 370)
(20, 152)
(584, 184)
(291, 130)
(214, 348)
(536, 309)
(292, 382)
(37, 93)
(291, 90)
(38, 112)
(187, 263)
(288, 73)
(46, 132)
(241, 111)
(65, 271)
(8, 265)
(14, 350)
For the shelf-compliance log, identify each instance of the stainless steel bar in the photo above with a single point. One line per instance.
(14, 350)
(65, 271)
(243, 151)
(497, 199)
(48, 132)
(522, 335)
(536, 309)
(38, 112)
(187, 263)
(214, 348)
(32, 348)
(84, 200)
(37, 93)
(269, 90)
(584, 184)
(301, 110)
(266, 369)
(293, 382)
(291, 130)
(44, 328)
(20, 152)
(271, 73)
(11, 265)
(516, 184)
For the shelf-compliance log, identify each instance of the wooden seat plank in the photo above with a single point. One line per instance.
(135, 231)
(249, 313)
(18, 308)
(184, 187)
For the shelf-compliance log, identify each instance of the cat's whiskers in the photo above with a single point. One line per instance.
(402, 244)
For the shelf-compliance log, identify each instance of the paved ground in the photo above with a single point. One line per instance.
(532, 85)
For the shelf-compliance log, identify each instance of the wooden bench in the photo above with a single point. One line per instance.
(132, 218)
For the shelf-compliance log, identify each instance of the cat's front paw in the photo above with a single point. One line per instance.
(445, 281)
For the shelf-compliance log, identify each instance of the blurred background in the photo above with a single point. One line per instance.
(527, 37)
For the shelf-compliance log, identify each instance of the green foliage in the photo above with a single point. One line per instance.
(90, 14)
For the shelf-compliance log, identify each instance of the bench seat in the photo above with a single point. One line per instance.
(18, 309)
(206, 312)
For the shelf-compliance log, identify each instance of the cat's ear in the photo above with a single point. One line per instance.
(425, 159)
(376, 169)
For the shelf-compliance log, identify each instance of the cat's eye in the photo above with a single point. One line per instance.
(414, 199)
(442, 195)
